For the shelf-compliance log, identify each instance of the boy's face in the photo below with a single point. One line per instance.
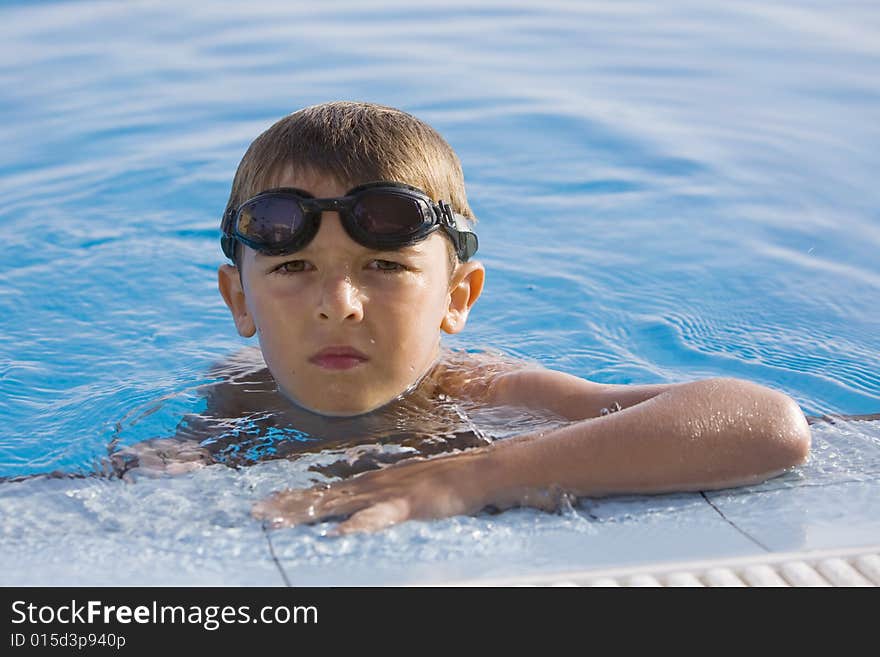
(308, 307)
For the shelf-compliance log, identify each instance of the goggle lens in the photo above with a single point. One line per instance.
(270, 220)
(388, 214)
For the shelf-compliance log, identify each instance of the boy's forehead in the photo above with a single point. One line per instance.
(308, 179)
(322, 183)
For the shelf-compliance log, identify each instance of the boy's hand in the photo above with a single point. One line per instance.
(416, 489)
(160, 456)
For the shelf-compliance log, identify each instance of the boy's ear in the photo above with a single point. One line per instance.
(229, 283)
(464, 290)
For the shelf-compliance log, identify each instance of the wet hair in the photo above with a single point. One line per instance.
(354, 143)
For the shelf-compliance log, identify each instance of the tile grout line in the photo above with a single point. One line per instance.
(274, 558)
(734, 525)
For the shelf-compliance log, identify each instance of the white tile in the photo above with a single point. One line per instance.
(597, 534)
(192, 530)
(806, 517)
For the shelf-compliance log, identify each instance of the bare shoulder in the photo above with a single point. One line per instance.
(242, 384)
(475, 374)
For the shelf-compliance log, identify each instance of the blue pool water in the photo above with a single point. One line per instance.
(665, 192)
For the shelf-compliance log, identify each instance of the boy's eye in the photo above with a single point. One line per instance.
(387, 265)
(291, 267)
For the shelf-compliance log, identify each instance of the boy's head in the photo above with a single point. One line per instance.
(330, 295)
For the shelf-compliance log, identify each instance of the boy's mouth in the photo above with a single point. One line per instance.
(338, 358)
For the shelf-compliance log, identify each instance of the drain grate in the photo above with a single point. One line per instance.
(853, 567)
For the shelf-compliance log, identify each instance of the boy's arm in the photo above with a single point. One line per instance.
(566, 395)
(707, 434)
(496, 381)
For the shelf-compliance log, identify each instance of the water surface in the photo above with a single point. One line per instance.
(665, 192)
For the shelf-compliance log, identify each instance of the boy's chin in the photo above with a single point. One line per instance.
(331, 405)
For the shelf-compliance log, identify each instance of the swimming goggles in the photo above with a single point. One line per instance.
(379, 215)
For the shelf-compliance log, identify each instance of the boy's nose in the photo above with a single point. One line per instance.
(340, 300)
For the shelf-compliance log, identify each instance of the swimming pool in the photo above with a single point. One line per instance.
(664, 193)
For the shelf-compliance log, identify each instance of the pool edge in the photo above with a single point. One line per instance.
(848, 567)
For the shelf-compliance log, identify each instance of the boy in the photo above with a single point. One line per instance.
(352, 246)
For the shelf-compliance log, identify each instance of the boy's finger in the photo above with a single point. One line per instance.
(286, 508)
(183, 467)
(294, 507)
(336, 505)
(376, 517)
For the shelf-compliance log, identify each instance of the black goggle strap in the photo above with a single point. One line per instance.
(456, 226)
(227, 240)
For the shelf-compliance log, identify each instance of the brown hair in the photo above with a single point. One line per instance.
(354, 143)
